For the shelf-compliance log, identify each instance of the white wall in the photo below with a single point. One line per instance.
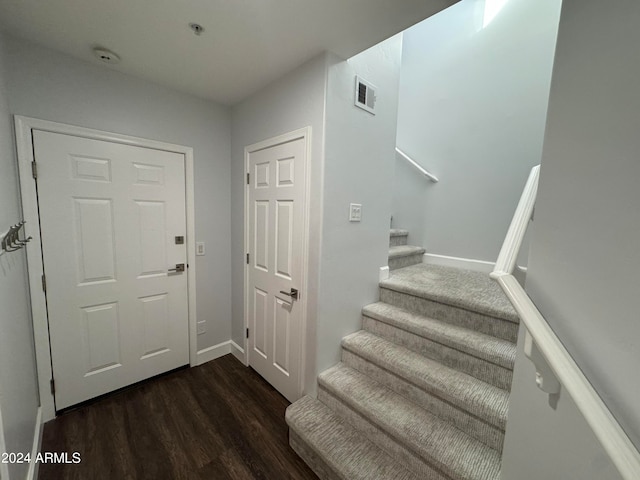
(585, 260)
(546, 443)
(18, 385)
(52, 86)
(472, 110)
(358, 168)
(295, 101)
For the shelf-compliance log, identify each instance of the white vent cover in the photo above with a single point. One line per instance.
(365, 95)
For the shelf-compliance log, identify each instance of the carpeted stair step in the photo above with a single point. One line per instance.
(464, 298)
(404, 255)
(398, 237)
(473, 406)
(334, 450)
(487, 358)
(427, 445)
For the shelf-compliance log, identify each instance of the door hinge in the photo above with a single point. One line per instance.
(52, 382)
(247, 333)
(34, 169)
(44, 283)
(247, 259)
(248, 175)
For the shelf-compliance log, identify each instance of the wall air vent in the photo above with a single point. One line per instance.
(365, 95)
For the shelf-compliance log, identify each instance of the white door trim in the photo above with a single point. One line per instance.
(304, 133)
(24, 143)
(4, 467)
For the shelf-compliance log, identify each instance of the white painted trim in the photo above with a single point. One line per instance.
(32, 474)
(420, 168)
(191, 253)
(211, 353)
(384, 273)
(606, 428)
(4, 467)
(458, 262)
(24, 143)
(237, 351)
(513, 241)
(305, 133)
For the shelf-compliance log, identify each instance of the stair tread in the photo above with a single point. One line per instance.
(404, 251)
(480, 345)
(439, 443)
(479, 398)
(398, 232)
(466, 289)
(342, 447)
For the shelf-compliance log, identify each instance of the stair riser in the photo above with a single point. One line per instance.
(314, 461)
(455, 316)
(398, 240)
(481, 369)
(407, 261)
(464, 420)
(382, 439)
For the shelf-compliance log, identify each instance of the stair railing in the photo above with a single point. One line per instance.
(555, 367)
(421, 169)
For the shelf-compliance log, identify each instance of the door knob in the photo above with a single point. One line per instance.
(293, 293)
(179, 268)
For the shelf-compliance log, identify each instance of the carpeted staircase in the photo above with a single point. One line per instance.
(422, 391)
(400, 254)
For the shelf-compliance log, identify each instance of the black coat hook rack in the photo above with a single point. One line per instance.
(11, 241)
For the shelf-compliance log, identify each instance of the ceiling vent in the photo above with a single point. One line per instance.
(365, 95)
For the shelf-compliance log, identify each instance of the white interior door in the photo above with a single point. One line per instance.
(276, 241)
(109, 215)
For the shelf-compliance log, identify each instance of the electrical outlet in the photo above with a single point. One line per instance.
(202, 327)
(355, 212)
(199, 248)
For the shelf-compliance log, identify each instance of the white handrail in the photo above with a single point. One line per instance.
(559, 363)
(427, 174)
(513, 241)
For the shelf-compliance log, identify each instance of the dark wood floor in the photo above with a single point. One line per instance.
(217, 421)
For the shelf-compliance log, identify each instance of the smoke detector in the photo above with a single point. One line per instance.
(197, 28)
(106, 56)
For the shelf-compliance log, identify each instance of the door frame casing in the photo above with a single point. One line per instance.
(304, 133)
(24, 143)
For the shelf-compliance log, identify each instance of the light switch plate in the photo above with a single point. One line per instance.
(199, 248)
(202, 327)
(355, 212)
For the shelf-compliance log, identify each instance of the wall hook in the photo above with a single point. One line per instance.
(11, 241)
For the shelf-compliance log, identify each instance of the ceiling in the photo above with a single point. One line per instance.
(246, 44)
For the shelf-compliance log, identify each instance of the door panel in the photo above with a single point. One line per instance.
(282, 335)
(94, 240)
(276, 237)
(109, 214)
(101, 345)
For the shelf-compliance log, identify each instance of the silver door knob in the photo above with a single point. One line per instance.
(293, 293)
(179, 268)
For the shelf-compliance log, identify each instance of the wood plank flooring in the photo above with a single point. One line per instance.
(217, 421)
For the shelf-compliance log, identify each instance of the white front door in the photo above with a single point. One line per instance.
(276, 231)
(109, 217)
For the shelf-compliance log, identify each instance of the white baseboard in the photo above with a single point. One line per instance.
(32, 473)
(211, 353)
(237, 351)
(384, 273)
(457, 262)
